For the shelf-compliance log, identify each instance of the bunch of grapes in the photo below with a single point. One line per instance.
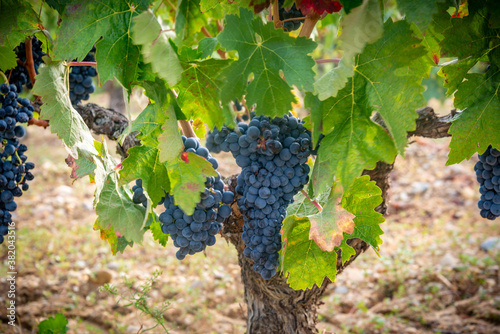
(290, 14)
(193, 233)
(81, 84)
(272, 154)
(15, 171)
(488, 175)
(19, 76)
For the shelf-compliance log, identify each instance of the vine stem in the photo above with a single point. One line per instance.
(30, 64)
(82, 63)
(328, 60)
(39, 122)
(276, 17)
(187, 129)
(308, 25)
(316, 204)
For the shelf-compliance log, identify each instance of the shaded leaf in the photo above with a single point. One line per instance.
(143, 162)
(105, 23)
(187, 180)
(116, 243)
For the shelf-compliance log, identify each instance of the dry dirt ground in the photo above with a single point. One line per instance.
(431, 276)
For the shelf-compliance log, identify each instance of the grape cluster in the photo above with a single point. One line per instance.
(81, 84)
(14, 170)
(488, 175)
(193, 233)
(19, 75)
(272, 154)
(290, 14)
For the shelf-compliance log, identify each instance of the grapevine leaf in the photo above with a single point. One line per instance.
(363, 25)
(116, 209)
(188, 19)
(64, 120)
(207, 47)
(188, 174)
(350, 4)
(227, 6)
(394, 61)
(117, 244)
(143, 162)
(148, 124)
(58, 5)
(170, 141)
(361, 199)
(84, 165)
(200, 89)
(54, 325)
(473, 31)
(304, 262)
(328, 226)
(156, 47)
(347, 251)
(265, 52)
(106, 22)
(158, 234)
(478, 126)
(356, 142)
(16, 19)
(419, 12)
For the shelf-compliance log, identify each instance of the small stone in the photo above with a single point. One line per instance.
(113, 266)
(341, 290)
(419, 187)
(449, 261)
(490, 244)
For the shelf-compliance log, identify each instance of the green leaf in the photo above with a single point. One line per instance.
(419, 12)
(304, 262)
(228, 7)
(54, 325)
(199, 89)
(115, 209)
(105, 23)
(156, 47)
(361, 199)
(143, 162)
(361, 26)
(478, 125)
(170, 141)
(58, 5)
(158, 234)
(356, 142)
(188, 19)
(347, 251)
(265, 52)
(471, 31)
(64, 120)
(188, 174)
(17, 19)
(116, 243)
(387, 80)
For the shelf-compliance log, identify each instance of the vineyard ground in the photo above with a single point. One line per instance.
(438, 282)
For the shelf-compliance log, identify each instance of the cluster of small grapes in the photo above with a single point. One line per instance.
(19, 76)
(80, 80)
(272, 154)
(193, 233)
(14, 170)
(488, 175)
(290, 14)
